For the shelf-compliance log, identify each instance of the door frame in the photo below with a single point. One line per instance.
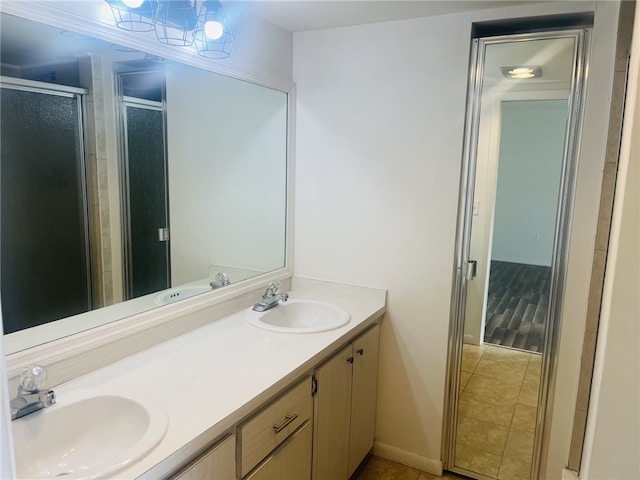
(79, 95)
(491, 147)
(121, 105)
(561, 238)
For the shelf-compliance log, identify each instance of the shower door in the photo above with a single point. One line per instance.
(147, 262)
(45, 262)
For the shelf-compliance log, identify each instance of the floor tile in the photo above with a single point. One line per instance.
(471, 355)
(524, 418)
(378, 468)
(477, 460)
(512, 469)
(492, 368)
(535, 364)
(464, 379)
(503, 390)
(497, 412)
(519, 445)
(507, 356)
(445, 476)
(486, 436)
(528, 396)
(485, 409)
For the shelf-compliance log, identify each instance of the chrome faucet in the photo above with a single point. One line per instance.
(221, 280)
(270, 298)
(30, 398)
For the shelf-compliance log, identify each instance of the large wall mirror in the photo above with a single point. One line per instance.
(128, 181)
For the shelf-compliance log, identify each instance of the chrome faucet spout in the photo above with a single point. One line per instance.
(30, 398)
(270, 298)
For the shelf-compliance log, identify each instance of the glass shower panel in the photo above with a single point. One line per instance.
(45, 272)
(148, 223)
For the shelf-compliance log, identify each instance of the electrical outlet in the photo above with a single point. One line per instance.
(536, 236)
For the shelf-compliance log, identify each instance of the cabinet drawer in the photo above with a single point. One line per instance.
(261, 434)
(290, 461)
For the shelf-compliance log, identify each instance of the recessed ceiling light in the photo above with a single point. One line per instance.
(516, 72)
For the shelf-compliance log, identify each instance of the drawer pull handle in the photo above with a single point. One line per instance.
(360, 351)
(289, 419)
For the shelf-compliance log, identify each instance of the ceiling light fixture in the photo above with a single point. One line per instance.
(518, 72)
(178, 23)
(213, 38)
(128, 16)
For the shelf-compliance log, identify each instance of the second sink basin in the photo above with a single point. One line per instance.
(299, 316)
(87, 437)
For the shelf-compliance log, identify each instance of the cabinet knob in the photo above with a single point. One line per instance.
(360, 351)
(350, 359)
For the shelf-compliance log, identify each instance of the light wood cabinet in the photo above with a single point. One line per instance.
(363, 396)
(290, 461)
(344, 408)
(218, 463)
(271, 428)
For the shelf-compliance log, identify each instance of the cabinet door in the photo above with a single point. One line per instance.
(363, 395)
(291, 461)
(331, 418)
(219, 463)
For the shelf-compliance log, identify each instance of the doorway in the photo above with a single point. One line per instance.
(515, 204)
(144, 183)
(529, 169)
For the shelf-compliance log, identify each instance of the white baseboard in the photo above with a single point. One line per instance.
(429, 465)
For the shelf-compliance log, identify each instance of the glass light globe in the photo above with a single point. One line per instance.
(213, 29)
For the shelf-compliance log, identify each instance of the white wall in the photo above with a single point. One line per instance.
(262, 47)
(227, 150)
(529, 168)
(612, 441)
(7, 460)
(379, 139)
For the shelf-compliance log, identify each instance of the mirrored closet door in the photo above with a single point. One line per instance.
(516, 200)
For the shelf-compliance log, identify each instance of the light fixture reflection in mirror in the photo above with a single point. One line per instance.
(178, 23)
(134, 15)
(218, 219)
(213, 38)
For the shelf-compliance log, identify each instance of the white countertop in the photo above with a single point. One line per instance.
(210, 378)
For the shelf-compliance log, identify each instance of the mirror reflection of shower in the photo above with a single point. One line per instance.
(519, 165)
(144, 184)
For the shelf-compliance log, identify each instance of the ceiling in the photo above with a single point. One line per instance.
(303, 15)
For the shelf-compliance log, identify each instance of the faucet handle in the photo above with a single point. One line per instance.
(271, 290)
(32, 378)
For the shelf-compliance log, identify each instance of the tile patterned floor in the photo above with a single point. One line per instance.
(376, 468)
(497, 411)
(496, 419)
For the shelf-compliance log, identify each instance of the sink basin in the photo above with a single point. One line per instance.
(180, 293)
(299, 316)
(86, 437)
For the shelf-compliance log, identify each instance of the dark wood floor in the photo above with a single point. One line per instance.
(517, 305)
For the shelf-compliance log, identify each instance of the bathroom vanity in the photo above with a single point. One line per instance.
(246, 402)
